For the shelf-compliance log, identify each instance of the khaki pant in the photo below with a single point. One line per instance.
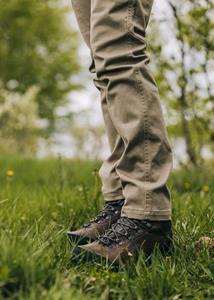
(141, 156)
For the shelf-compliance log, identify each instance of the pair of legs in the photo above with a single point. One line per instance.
(137, 212)
(141, 159)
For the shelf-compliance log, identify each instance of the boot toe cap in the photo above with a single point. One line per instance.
(77, 237)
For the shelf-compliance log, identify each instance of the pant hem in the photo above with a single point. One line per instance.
(151, 215)
(113, 197)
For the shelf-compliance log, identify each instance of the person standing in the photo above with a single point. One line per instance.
(137, 213)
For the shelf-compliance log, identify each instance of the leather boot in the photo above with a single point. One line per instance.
(103, 221)
(126, 238)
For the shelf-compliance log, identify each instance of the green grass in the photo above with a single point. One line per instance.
(45, 197)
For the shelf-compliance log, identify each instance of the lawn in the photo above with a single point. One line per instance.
(40, 200)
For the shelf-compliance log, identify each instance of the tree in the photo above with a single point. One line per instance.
(182, 62)
(37, 48)
(19, 122)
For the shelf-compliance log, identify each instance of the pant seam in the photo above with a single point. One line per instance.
(129, 25)
(146, 133)
(112, 194)
(107, 199)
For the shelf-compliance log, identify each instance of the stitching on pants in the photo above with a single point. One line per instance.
(129, 20)
(132, 6)
(146, 140)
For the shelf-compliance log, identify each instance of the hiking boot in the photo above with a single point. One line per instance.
(126, 238)
(103, 221)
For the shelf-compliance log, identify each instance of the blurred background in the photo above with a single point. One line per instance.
(49, 106)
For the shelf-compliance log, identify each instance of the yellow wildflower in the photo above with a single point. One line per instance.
(206, 188)
(10, 173)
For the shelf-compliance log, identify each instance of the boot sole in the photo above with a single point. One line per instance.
(79, 255)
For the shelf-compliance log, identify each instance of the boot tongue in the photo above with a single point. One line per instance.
(116, 203)
(109, 209)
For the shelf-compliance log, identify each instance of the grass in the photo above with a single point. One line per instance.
(44, 198)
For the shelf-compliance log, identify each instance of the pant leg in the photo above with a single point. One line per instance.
(111, 183)
(118, 44)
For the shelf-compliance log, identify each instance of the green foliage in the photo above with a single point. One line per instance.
(37, 47)
(44, 198)
(19, 121)
(184, 72)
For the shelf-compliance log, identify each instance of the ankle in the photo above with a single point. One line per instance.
(115, 202)
(164, 225)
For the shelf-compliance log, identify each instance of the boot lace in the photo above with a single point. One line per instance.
(124, 228)
(109, 210)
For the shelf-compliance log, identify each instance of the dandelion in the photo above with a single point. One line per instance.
(10, 173)
(205, 188)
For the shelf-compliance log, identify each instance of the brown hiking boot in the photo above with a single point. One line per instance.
(103, 221)
(126, 238)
